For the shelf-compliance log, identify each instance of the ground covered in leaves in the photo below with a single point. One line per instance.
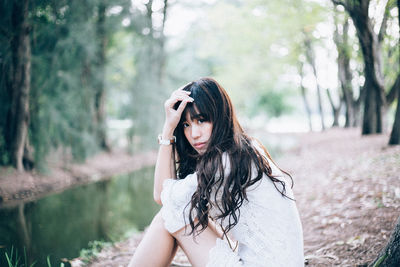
(348, 195)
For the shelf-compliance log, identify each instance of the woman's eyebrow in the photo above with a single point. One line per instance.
(197, 116)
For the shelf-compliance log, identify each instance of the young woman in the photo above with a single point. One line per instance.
(228, 204)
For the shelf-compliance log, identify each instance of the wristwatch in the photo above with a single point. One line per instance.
(166, 142)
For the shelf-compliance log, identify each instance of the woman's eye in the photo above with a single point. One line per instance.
(185, 124)
(200, 121)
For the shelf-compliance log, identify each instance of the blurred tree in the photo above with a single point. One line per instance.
(148, 88)
(395, 135)
(375, 101)
(64, 49)
(345, 75)
(59, 102)
(310, 56)
(304, 94)
(99, 87)
(19, 86)
(335, 108)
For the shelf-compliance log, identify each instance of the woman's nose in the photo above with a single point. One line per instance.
(196, 131)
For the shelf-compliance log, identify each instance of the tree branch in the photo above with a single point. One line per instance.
(382, 30)
(164, 14)
(328, 92)
(393, 92)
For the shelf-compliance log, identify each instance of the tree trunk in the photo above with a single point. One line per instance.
(357, 107)
(18, 118)
(100, 88)
(311, 59)
(395, 135)
(304, 96)
(372, 119)
(390, 255)
(375, 100)
(162, 57)
(335, 110)
(344, 73)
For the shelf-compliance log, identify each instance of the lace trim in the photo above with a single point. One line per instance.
(222, 256)
(175, 197)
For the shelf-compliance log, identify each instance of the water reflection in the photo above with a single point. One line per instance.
(61, 225)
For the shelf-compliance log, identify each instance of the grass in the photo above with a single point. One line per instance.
(14, 260)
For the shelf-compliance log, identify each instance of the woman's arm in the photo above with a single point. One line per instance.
(165, 165)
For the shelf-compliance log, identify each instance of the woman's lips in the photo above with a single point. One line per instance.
(199, 145)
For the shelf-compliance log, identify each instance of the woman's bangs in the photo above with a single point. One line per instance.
(197, 109)
(194, 112)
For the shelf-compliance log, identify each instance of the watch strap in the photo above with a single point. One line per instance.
(166, 142)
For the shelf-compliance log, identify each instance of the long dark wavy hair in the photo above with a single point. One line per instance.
(213, 104)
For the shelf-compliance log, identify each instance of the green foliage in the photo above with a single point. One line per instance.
(14, 260)
(49, 262)
(93, 250)
(254, 51)
(62, 94)
(272, 102)
(380, 260)
(64, 77)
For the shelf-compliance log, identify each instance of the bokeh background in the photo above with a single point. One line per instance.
(82, 87)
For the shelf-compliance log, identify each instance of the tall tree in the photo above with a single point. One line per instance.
(99, 97)
(345, 75)
(370, 42)
(18, 114)
(148, 25)
(395, 135)
(304, 94)
(335, 108)
(310, 55)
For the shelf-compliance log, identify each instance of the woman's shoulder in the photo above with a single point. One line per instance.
(276, 171)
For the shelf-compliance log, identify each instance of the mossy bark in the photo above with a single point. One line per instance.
(390, 255)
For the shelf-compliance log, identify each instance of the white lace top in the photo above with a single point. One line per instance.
(269, 230)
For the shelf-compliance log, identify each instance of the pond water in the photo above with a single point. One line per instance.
(62, 224)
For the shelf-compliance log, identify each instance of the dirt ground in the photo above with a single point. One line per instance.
(348, 194)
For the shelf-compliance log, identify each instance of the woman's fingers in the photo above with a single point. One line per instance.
(182, 106)
(181, 94)
(173, 116)
(177, 97)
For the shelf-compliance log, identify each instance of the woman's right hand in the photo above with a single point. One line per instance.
(172, 116)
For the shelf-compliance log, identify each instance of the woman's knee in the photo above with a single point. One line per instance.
(158, 221)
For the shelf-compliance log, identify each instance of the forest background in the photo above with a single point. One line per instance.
(73, 71)
(82, 77)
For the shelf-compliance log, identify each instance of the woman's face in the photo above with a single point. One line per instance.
(198, 132)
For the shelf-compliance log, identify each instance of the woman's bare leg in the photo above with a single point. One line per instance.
(157, 248)
(197, 249)
(158, 239)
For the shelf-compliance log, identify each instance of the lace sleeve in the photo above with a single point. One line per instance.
(175, 197)
(275, 170)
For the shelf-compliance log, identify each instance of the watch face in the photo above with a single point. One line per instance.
(166, 142)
